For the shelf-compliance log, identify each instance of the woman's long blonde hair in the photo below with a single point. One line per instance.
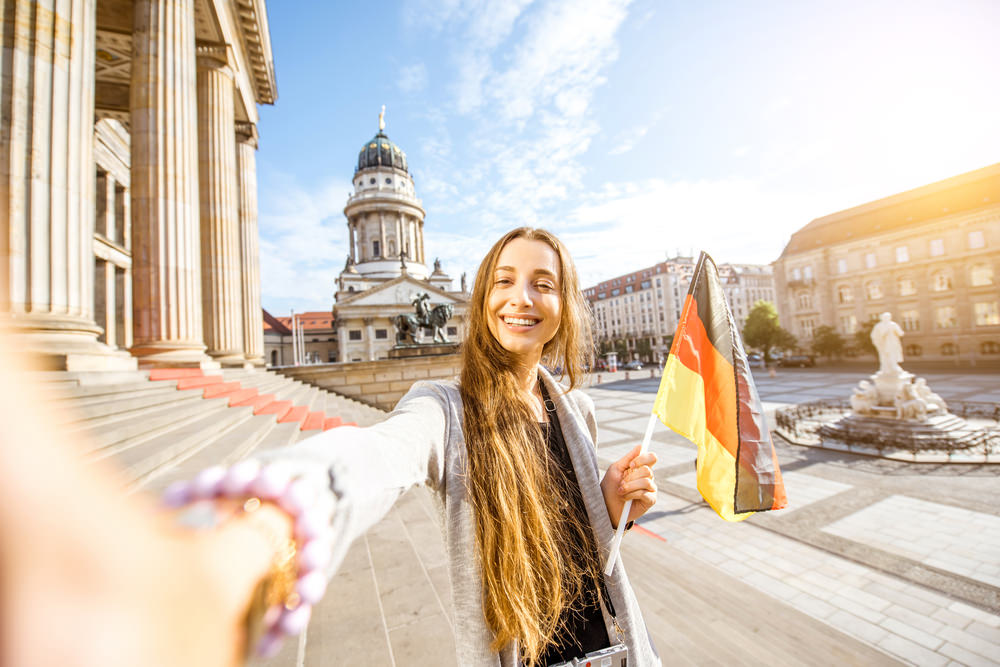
(529, 544)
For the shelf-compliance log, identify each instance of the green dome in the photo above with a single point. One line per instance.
(381, 152)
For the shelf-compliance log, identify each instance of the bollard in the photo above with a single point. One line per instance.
(626, 376)
(598, 378)
(651, 369)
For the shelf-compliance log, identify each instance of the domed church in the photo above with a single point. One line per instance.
(386, 264)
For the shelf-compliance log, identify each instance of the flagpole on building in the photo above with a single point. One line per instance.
(295, 343)
(623, 519)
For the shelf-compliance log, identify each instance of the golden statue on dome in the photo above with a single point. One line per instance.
(381, 119)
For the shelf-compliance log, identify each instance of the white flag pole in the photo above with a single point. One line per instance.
(623, 519)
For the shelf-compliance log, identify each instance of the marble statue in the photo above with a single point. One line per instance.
(909, 404)
(864, 398)
(886, 336)
(464, 290)
(934, 402)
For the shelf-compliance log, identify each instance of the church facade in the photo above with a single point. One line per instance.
(386, 271)
(128, 225)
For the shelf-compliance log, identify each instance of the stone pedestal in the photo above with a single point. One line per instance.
(246, 168)
(890, 385)
(47, 184)
(407, 351)
(222, 312)
(166, 284)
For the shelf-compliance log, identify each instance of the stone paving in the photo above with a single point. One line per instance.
(873, 562)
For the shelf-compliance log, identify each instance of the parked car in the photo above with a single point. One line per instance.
(755, 360)
(634, 365)
(800, 360)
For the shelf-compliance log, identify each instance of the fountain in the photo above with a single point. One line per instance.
(894, 411)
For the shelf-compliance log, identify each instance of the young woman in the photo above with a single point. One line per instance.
(511, 455)
(509, 452)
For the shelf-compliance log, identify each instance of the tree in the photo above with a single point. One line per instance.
(763, 332)
(863, 336)
(827, 342)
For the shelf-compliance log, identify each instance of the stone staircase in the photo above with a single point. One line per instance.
(165, 424)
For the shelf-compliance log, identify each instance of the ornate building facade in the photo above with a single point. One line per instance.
(929, 256)
(386, 265)
(640, 310)
(128, 225)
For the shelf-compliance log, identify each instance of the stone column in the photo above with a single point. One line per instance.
(253, 319)
(221, 293)
(419, 225)
(370, 337)
(342, 343)
(381, 232)
(354, 240)
(399, 234)
(166, 283)
(47, 180)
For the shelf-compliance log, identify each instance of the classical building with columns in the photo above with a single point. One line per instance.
(128, 225)
(386, 266)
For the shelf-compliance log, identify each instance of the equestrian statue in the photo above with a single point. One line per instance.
(425, 318)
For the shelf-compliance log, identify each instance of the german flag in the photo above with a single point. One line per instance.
(707, 395)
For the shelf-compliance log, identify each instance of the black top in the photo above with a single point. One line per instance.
(584, 627)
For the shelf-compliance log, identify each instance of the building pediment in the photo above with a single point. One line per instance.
(399, 292)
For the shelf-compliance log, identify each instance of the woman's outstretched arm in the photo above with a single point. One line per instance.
(91, 577)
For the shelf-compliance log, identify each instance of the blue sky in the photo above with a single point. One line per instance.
(634, 130)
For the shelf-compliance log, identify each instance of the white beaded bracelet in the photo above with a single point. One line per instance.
(310, 510)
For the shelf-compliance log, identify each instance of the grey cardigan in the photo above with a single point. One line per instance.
(421, 442)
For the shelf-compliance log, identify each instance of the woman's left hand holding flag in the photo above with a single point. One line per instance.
(630, 478)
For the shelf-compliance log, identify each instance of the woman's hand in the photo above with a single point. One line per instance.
(630, 478)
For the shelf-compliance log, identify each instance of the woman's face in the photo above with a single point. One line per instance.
(524, 305)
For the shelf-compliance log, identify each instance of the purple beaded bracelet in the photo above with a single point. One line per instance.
(310, 511)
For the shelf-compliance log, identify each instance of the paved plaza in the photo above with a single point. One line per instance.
(873, 561)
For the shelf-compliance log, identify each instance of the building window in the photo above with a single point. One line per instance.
(913, 350)
(274, 357)
(987, 314)
(902, 254)
(989, 347)
(807, 272)
(949, 349)
(658, 283)
(376, 249)
(870, 260)
(981, 275)
(615, 292)
(628, 289)
(976, 240)
(873, 290)
(805, 301)
(845, 294)
(945, 318)
(796, 274)
(371, 181)
(354, 334)
(848, 324)
(332, 357)
(645, 284)
(388, 181)
(602, 295)
(381, 334)
(911, 320)
(452, 331)
(906, 286)
(937, 247)
(941, 281)
(807, 328)
(841, 266)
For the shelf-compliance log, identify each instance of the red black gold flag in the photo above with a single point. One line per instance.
(707, 394)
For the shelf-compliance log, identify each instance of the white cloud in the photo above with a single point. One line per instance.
(413, 78)
(303, 242)
(626, 226)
